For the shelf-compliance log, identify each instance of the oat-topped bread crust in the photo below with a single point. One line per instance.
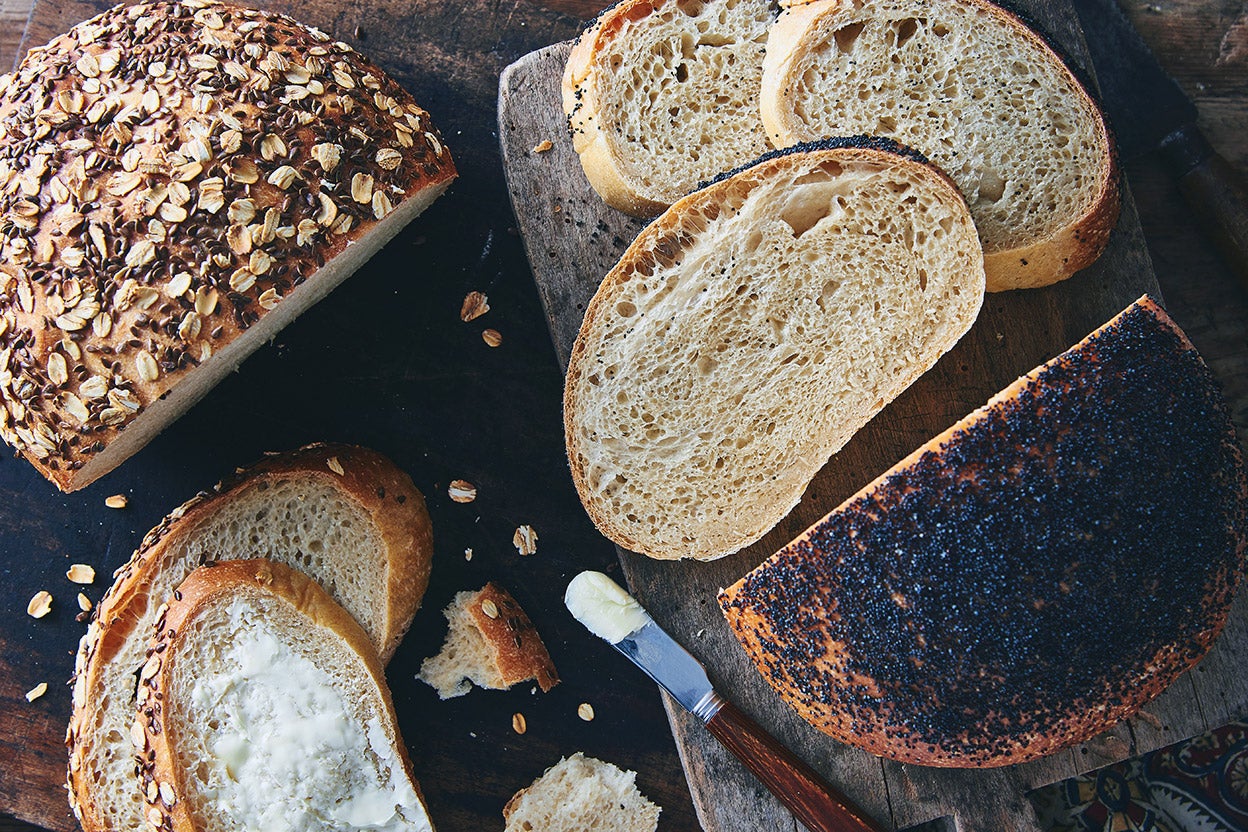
(1028, 578)
(662, 95)
(345, 515)
(184, 759)
(178, 180)
(980, 93)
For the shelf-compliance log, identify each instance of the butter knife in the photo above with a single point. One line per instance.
(613, 615)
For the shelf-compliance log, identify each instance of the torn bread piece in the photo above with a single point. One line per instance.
(582, 794)
(491, 643)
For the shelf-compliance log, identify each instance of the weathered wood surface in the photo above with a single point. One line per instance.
(385, 361)
(573, 239)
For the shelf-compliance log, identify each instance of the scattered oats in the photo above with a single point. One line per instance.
(462, 491)
(327, 156)
(525, 540)
(178, 285)
(37, 691)
(270, 298)
(335, 465)
(382, 206)
(329, 210)
(146, 366)
(489, 608)
(585, 711)
(260, 262)
(389, 158)
(117, 501)
(474, 306)
(84, 603)
(518, 723)
(189, 328)
(242, 280)
(81, 573)
(492, 337)
(468, 553)
(58, 371)
(40, 605)
(205, 301)
(543, 146)
(271, 147)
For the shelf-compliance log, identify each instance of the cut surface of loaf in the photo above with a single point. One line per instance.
(979, 93)
(582, 794)
(751, 330)
(344, 515)
(491, 643)
(183, 179)
(263, 705)
(1026, 579)
(663, 94)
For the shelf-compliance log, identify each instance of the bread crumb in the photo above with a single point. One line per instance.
(525, 540)
(468, 553)
(37, 691)
(585, 711)
(81, 573)
(462, 491)
(492, 337)
(40, 605)
(543, 146)
(474, 306)
(117, 501)
(518, 723)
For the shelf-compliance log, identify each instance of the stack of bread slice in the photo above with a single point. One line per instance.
(344, 516)
(658, 93)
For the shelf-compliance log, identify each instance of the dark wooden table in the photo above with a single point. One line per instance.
(386, 362)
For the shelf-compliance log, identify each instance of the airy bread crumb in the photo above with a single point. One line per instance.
(582, 794)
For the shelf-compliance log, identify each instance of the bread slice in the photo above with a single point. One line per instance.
(751, 330)
(581, 794)
(491, 643)
(344, 515)
(176, 213)
(1026, 579)
(978, 92)
(263, 705)
(663, 96)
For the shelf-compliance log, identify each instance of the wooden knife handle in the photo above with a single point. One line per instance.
(812, 801)
(1214, 190)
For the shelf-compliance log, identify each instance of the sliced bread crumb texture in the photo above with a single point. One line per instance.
(751, 330)
(344, 515)
(263, 706)
(1026, 579)
(491, 643)
(980, 94)
(663, 94)
(582, 794)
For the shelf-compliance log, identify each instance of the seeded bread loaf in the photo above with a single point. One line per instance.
(662, 95)
(178, 181)
(491, 643)
(1026, 579)
(980, 94)
(751, 330)
(263, 705)
(581, 794)
(344, 515)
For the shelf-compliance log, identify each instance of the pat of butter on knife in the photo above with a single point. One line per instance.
(604, 607)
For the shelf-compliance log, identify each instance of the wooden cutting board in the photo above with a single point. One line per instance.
(572, 240)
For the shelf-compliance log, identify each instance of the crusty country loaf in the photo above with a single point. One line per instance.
(750, 330)
(980, 94)
(178, 181)
(581, 794)
(1029, 577)
(344, 515)
(490, 643)
(263, 705)
(662, 95)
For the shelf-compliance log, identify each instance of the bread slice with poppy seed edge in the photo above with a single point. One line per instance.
(751, 330)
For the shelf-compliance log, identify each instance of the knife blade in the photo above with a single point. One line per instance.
(1149, 111)
(613, 615)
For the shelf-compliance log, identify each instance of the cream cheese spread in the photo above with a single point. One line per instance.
(604, 607)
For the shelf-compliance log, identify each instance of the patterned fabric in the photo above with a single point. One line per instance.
(1200, 785)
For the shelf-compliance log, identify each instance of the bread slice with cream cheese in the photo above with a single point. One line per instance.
(263, 705)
